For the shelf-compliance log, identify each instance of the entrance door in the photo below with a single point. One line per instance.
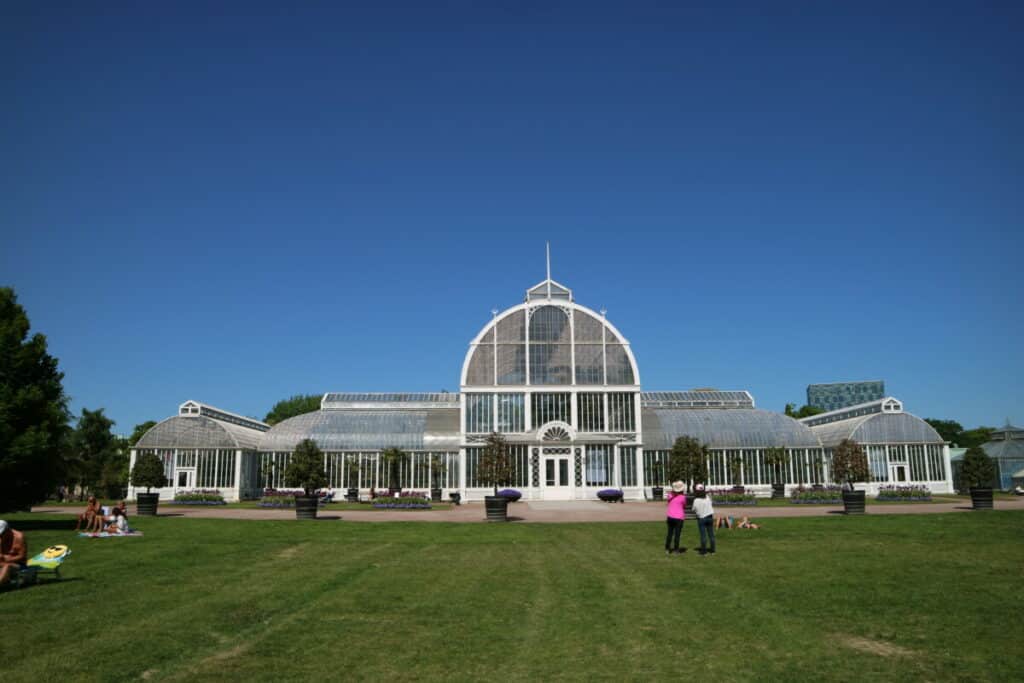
(186, 479)
(557, 473)
(898, 473)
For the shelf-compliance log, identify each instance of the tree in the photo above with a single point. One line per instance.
(949, 430)
(96, 461)
(978, 469)
(148, 472)
(33, 411)
(688, 461)
(849, 464)
(974, 437)
(496, 467)
(140, 431)
(802, 412)
(299, 404)
(394, 458)
(306, 468)
(776, 460)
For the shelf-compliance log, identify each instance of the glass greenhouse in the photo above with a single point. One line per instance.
(562, 385)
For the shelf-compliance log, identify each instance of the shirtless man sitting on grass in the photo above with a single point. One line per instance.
(13, 552)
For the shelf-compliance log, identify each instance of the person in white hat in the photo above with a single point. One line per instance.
(705, 512)
(13, 552)
(674, 516)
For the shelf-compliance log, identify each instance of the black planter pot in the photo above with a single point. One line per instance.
(610, 497)
(853, 502)
(497, 508)
(778, 491)
(146, 503)
(981, 498)
(435, 495)
(658, 493)
(352, 495)
(305, 507)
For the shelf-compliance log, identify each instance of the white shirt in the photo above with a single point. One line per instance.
(702, 507)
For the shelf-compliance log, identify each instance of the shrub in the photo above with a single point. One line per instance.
(199, 497)
(148, 472)
(824, 494)
(915, 492)
(978, 469)
(850, 464)
(730, 497)
(512, 494)
(306, 468)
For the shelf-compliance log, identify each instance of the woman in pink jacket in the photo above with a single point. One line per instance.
(674, 516)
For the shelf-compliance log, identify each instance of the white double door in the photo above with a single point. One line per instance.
(556, 472)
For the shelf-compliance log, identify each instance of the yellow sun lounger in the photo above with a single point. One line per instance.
(48, 561)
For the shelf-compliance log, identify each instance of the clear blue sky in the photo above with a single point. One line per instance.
(238, 204)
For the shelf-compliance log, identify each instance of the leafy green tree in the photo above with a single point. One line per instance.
(802, 412)
(776, 460)
(949, 430)
(95, 456)
(140, 431)
(306, 468)
(978, 469)
(688, 462)
(299, 404)
(970, 438)
(849, 464)
(496, 467)
(148, 472)
(33, 411)
(394, 458)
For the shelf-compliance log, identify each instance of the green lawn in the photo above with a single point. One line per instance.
(901, 597)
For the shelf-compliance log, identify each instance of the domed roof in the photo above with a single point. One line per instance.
(725, 428)
(368, 429)
(199, 431)
(878, 428)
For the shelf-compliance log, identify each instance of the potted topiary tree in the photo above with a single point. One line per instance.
(306, 471)
(977, 474)
(776, 459)
(437, 472)
(148, 472)
(850, 465)
(495, 470)
(394, 458)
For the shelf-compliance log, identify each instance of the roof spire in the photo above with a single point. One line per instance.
(547, 250)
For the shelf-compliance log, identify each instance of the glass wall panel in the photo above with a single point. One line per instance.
(549, 324)
(751, 469)
(550, 407)
(936, 463)
(589, 364)
(877, 463)
(589, 330)
(590, 412)
(599, 465)
(627, 465)
(550, 364)
(619, 369)
(915, 453)
(816, 463)
(511, 413)
(621, 412)
(479, 413)
(655, 463)
(512, 364)
(512, 328)
(481, 366)
(520, 466)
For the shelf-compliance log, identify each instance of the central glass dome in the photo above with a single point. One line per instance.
(549, 340)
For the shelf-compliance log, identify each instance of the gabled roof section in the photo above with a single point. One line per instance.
(195, 408)
(887, 405)
(385, 401)
(548, 290)
(696, 399)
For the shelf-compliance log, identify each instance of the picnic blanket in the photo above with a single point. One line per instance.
(107, 534)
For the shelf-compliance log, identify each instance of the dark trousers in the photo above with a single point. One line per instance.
(675, 527)
(706, 525)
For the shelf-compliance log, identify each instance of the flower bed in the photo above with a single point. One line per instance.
(511, 494)
(402, 503)
(904, 494)
(730, 497)
(825, 495)
(610, 495)
(198, 497)
(273, 498)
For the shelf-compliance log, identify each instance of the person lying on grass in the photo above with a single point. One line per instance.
(13, 552)
(729, 522)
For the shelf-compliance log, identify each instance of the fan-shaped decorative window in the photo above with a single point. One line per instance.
(557, 434)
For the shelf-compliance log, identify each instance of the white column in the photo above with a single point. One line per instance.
(949, 467)
(238, 474)
(131, 466)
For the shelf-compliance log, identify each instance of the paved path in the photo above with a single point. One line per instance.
(551, 512)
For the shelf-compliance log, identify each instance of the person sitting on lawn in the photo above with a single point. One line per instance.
(745, 523)
(92, 509)
(13, 552)
(119, 525)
